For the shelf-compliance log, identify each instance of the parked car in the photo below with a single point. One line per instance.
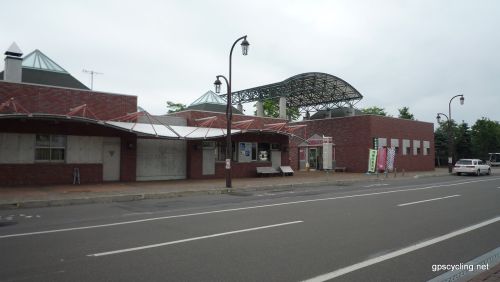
(494, 159)
(471, 166)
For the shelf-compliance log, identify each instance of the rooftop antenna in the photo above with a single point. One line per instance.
(91, 72)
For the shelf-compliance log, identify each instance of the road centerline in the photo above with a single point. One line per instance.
(429, 200)
(192, 239)
(400, 252)
(238, 209)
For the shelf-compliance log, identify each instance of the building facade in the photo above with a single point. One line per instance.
(52, 133)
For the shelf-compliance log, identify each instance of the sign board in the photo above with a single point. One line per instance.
(391, 155)
(327, 152)
(381, 158)
(372, 160)
(228, 163)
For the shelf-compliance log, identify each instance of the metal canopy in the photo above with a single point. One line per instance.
(312, 91)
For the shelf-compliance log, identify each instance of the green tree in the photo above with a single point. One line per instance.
(441, 142)
(462, 141)
(175, 107)
(272, 109)
(485, 137)
(404, 113)
(374, 111)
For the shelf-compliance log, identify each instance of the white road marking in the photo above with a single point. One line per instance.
(423, 201)
(136, 213)
(375, 185)
(191, 239)
(238, 209)
(357, 266)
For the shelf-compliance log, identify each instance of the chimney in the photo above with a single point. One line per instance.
(13, 64)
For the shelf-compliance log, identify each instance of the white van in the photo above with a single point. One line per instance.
(494, 159)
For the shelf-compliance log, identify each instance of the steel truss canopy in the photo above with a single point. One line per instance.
(312, 91)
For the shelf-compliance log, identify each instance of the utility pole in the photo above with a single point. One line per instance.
(91, 72)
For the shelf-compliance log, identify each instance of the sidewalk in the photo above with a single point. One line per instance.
(61, 195)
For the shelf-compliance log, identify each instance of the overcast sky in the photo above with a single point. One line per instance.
(396, 53)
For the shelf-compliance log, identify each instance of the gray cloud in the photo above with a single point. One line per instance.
(396, 53)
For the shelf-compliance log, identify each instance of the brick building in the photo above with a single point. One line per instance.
(54, 130)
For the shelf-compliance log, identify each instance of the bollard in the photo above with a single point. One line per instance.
(403, 172)
(395, 172)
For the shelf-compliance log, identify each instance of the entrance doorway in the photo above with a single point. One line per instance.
(313, 158)
(111, 161)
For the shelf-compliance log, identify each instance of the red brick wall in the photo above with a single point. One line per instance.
(353, 138)
(55, 100)
(45, 174)
(386, 127)
(195, 156)
(41, 173)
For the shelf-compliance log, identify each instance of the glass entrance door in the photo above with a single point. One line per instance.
(313, 154)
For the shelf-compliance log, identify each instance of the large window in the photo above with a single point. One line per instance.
(50, 148)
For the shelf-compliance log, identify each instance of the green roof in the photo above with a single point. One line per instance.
(209, 97)
(211, 102)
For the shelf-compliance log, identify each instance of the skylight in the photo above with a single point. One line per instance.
(211, 98)
(38, 60)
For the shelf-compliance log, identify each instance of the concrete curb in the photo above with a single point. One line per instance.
(99, 199)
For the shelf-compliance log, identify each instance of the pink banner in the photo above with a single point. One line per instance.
(381, 158)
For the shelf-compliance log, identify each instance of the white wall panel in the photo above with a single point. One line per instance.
(17, 148)
(161, 159)
(84, 149)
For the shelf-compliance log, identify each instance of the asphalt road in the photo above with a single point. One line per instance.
(372, 231)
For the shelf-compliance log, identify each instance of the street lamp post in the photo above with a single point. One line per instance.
(450, 132)
(229, 108)
(438, 118)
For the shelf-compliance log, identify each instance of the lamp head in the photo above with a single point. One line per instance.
(244, 46)
(217, 85)
(462, 99)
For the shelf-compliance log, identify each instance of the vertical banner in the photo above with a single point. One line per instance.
(391, 154)
(381, 158)
(327, 152)
(372, 160)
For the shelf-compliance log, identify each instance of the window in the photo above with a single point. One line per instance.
(418, 151)
(221, 152)
(427, 148)
(50, 148)
(395, 145)
(275, 146)
(406, 147)
(264, 153)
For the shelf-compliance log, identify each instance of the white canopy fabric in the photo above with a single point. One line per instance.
(171, 131)
(147, 129)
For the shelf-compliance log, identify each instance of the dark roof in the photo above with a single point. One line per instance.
(50, 78)
(212, 108)
(211, 102)
(37, 68)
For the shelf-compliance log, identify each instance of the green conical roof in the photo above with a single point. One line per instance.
(209, 97)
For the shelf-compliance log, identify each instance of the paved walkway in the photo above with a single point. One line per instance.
(58, 195)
